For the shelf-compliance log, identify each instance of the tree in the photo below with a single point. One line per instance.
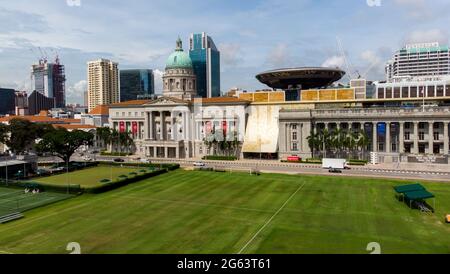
(63, 143)
(23, 134)
(104, 134)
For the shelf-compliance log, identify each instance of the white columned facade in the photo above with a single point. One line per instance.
(375, 137)
(401, 138)
(388, 137)
(416, 137)
(431, 137)
(446, 138)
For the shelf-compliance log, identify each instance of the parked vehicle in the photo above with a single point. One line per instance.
(199, 164)
(335, 170)
(145, 161)
(334, 164)
(119, 160)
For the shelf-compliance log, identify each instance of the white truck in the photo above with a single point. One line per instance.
(334, 164)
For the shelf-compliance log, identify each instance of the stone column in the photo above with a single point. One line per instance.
(401, 138)
(178, 152)
(151, 126)
(375, 137)
(146, 127)
(166, 152)
(162, 124)
(430, 138)
(446, 138)
(172, 126)
(155, 152)
(388, 138)
(416, 138)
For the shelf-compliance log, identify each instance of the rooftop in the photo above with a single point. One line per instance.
(100, 110)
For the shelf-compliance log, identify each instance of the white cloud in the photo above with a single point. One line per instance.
(230, 54)
(158, 74)
(280, 56)
(425, 36)
(334, 62)
(75, 93)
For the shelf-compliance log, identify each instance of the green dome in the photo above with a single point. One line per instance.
(179, 59)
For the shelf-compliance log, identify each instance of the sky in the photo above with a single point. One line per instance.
(252, 35)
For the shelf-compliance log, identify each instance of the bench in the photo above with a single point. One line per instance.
(11, 217)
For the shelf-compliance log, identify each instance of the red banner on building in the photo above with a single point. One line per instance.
(224, 128)
(122, 127)
(135, 127)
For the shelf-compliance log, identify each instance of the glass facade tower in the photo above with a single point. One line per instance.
(206, 61)
(136, 83)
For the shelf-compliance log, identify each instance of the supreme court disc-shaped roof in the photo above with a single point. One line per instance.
(306, 77)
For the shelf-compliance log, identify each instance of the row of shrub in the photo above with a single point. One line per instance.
(169, 167)
(124, 181)
(351, 162)
(220, 158)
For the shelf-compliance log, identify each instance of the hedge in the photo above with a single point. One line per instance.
(169, 167)
(220, 158)
(123, 182)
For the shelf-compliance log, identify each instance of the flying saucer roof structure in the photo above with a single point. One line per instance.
(306, 77)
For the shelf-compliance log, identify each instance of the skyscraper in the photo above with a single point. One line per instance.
(135, 83)
(419, 60)
(103, 83)
(49, 79)
(206, 61)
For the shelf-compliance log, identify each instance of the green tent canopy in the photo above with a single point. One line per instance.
(419, 195)
(409, 188)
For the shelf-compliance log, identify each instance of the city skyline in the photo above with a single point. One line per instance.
(299, 34)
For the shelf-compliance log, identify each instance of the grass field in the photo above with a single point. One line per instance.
(205, 212)
(89, 177)
(15, 200)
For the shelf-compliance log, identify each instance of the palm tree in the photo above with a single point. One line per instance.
(363, 142)
(104, 135)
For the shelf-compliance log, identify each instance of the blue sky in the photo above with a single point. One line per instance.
(253, 35)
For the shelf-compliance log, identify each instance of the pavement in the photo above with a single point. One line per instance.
(422, 172)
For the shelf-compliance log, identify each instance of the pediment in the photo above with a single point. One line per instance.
(167, 101)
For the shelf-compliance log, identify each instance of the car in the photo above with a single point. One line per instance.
(145, 161)
(87, 158)
(335, 170)
(119, 160)
(199, 164)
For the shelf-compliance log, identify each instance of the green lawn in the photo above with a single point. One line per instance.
(89, 177)
(203, 212)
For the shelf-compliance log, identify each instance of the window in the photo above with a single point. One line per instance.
(381, 93)
(294, 136)
(436, 136)
(440, 91)
(294, 127)
(405, 92)
(294, 147)
(431, 91)
(407, 136)
(421, 136)
(421, 125)
(397, 93)
(413, 92)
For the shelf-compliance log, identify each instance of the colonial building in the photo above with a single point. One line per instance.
(271, 125)
(176, 124)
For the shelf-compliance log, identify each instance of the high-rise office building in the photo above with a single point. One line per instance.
(135, 83)
(7, 101)
(419, 60)
(103, 83)
(206, 61)
(49, 79)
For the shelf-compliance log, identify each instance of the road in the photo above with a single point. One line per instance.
(311, 169)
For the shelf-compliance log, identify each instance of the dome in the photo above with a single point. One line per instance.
(179, 59)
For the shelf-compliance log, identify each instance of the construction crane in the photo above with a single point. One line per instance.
(351, 72)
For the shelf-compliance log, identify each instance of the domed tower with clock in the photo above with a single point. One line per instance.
(179, 77)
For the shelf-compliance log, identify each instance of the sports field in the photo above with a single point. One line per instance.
(205, 212)
(15, 200)
(89, 177)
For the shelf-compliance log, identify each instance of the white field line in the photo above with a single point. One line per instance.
(196, 204)
(5, 252)
(271, 219)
